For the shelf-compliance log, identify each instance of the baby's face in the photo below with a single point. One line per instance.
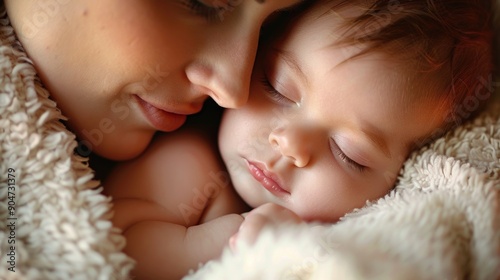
(120, 70)
(321, 135)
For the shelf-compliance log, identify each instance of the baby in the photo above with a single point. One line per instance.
(337, 103)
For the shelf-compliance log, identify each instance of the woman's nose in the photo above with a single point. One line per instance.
(225, 75)
(292, 143)
(227, 82)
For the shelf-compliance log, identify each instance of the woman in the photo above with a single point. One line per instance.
(122, 70)
(119, 71)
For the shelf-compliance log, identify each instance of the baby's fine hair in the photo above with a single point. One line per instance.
(449, 42)
(448, 39)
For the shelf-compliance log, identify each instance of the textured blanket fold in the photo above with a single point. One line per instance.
(53, 223)
(442, 221)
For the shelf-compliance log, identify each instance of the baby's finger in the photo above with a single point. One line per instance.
(251, 227)
(277, 214)
(232, 242)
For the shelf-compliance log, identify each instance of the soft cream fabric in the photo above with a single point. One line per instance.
(441, 222)
(62, 229)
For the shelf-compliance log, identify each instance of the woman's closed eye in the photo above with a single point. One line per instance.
(344, 158)
(209, 12)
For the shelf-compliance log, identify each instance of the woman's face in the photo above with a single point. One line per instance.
(120, 70)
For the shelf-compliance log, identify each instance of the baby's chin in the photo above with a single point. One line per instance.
(251, 200)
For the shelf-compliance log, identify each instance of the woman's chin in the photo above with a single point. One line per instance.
(123, 147)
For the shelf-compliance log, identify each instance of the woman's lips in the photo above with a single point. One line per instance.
(264, 178)
(162, 120)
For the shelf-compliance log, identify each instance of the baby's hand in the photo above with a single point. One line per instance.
(267, 215)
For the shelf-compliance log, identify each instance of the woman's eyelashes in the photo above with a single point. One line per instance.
(209, 12)
(344, 158)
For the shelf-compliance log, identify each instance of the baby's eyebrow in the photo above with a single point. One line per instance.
(373, 134)
(376, 136)
(293, 63)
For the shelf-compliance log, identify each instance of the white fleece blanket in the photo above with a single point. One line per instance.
(53, 223)
(441, 222)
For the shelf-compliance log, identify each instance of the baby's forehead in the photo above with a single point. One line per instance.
(442, 49)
